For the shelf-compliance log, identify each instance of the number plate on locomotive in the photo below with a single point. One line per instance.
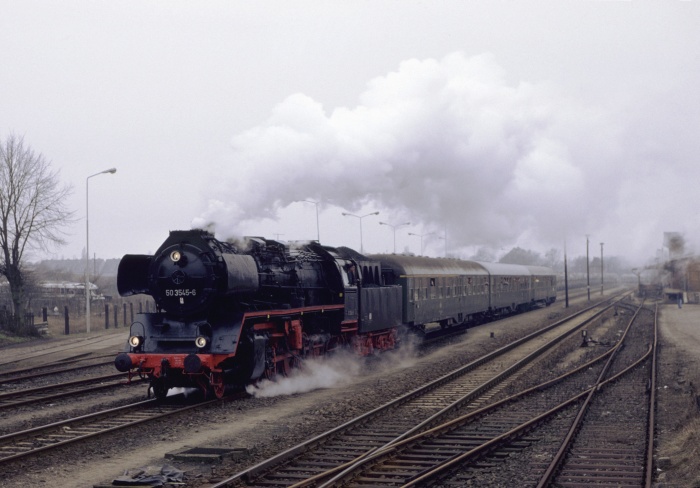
(181, 292)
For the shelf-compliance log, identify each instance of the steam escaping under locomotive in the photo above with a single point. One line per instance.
(230, 313)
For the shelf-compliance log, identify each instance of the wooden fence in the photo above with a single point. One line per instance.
(111, 316)
(17, 324)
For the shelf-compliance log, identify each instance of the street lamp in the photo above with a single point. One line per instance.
(421, 239)
(360, 217)
(318, 231)
(394, 227)
(87, 247)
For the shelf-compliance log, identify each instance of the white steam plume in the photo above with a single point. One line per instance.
(450, 143)
(336, 371)
(333, 372)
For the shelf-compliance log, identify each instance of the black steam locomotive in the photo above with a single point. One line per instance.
(232, 313)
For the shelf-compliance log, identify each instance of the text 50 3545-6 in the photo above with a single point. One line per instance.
(181, 292)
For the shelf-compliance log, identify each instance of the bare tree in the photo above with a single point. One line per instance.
(32, 211)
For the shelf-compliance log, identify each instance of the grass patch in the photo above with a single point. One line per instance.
(679, 408)
(6, 340)
(684, 451)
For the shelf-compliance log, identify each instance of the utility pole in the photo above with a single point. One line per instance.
(566, 279)
(588, 272)
(601, 268)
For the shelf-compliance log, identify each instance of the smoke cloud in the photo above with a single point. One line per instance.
(448, 143)
(334, 372)
(340, 369)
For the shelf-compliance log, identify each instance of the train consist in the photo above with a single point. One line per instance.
(232, 313)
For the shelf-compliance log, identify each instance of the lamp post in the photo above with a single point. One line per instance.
(360, 217)
(318, 231)
(421, 239)
(87, 246)
(394, 228)
(601, 268)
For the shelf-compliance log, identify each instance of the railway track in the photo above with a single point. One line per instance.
(11, 356)
(23, 397)
(469, 387)
(40, 439)
(472, 450)
(612, 440)
(58, 367)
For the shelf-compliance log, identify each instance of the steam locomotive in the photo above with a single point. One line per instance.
(231, 313)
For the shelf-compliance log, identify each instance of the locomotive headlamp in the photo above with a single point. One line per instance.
(135, 341)
(175, 256)
(200, 342)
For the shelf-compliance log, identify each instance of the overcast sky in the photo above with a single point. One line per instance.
(500, 124)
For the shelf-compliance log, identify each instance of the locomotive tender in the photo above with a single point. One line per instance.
(232, 313)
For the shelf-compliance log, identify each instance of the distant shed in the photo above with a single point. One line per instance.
(683, 279)
(693, 274)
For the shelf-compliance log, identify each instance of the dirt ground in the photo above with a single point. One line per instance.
(678, 403)
(678, 417)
